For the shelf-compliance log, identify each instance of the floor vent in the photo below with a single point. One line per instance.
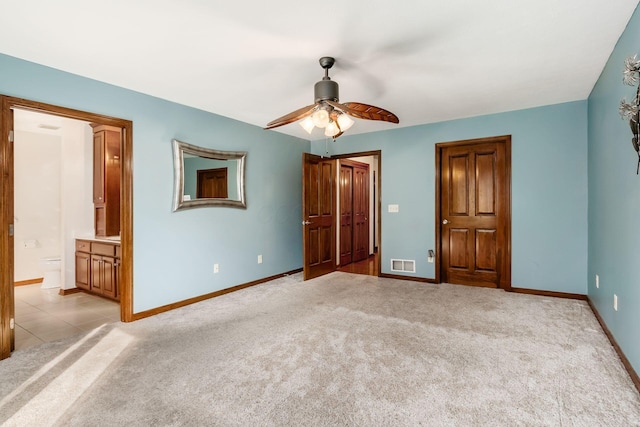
(403, 265)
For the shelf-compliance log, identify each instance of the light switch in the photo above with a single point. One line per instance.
(394, 208)
(30, 244)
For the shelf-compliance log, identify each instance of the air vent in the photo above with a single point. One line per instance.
(49, 127)
(403, 265)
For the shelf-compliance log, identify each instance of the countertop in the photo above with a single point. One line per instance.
(114, 239)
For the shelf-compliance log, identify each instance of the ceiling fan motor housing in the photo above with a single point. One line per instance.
(326, 90)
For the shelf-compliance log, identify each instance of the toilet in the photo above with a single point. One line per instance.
(50, 267)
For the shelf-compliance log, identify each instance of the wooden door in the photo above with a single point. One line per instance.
(319, 215)
(346, 214)
(354, 211)
(212, 183)
(474, 212)
(7, 305)
(360, 212)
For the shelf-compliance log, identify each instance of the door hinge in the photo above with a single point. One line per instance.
(10, 230)
(10, 136)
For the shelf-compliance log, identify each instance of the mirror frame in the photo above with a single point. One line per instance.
(179, 149)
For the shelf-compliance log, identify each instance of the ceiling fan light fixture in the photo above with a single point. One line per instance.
(332, 129)
(328, 113)
(307, 124)
(344, 122)
(320, 118)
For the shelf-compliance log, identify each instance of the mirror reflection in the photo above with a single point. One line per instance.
(206, 177)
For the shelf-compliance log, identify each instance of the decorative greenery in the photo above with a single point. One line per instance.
(631, 111)
(631, 67)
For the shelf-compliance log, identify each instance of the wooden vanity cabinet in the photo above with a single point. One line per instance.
(98, 267)
(106, 180)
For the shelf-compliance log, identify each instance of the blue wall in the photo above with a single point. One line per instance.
(614, 201)
(174, 253)
(549, 190)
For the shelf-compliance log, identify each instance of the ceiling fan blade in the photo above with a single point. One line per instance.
(365, 111)
(291, 117)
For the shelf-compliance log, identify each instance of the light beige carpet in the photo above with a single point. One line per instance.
(339, 350)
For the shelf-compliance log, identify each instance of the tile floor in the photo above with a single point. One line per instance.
(43, 315)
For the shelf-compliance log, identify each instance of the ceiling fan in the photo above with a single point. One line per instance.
(328, 113)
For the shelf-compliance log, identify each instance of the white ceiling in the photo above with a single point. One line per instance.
(425, 60)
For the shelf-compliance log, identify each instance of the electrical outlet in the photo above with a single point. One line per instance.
(216, 268)
(259, 259)
(597, 281)
(615, 302)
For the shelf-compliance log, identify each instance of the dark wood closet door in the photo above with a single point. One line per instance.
(473, 213)
(319, 215)
(361, 212)
(346, 215)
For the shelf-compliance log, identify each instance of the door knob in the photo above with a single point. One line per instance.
(306, 222)
(445, 221)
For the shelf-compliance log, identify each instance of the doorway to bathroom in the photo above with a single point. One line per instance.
(53, 206)
(10, 266)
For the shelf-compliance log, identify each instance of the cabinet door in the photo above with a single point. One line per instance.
(98, 167)
(117, 277)
(96, 274)
(108, 270)
(83, 270)
(100, 220)
(106, 180)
